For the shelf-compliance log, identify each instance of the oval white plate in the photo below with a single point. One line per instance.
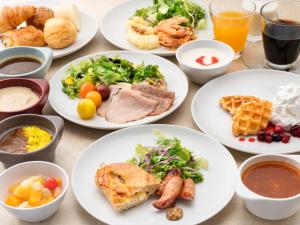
(120, 146)
(113, 27)
(215, 121)
(66, 107)
(88, 30)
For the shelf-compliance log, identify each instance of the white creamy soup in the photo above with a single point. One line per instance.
(205, 58)
(17, 98)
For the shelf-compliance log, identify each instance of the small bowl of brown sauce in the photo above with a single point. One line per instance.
(22, 95)
(24, 61)
(29, 137)
(269, 184)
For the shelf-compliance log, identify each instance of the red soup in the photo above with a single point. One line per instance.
(273, 179)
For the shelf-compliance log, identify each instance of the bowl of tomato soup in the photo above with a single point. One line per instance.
(269, 184)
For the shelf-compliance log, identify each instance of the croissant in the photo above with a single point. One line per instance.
(25, 36)
(11, 17)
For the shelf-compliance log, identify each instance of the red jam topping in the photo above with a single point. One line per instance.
(200, 60)
(251, 139)
(242, 139)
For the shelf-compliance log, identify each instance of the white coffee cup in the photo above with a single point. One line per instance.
(264, 207)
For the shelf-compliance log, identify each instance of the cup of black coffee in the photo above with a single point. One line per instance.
(281, 38)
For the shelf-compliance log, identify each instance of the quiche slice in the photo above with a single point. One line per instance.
(125, 185)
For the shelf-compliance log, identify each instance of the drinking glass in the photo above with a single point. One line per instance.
(231, 21)
(281, 36)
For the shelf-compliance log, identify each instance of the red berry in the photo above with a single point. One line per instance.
(285, 138)
(261, 135)
(51, 183)
(278, 129)
(269, 139)
(295, 130)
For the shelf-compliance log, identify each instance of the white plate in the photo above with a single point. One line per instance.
(119, 146)
(215, 121)
(113, 27)
(66, 107)
(89, 26)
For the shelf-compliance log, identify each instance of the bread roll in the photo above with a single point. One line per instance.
(59, 33)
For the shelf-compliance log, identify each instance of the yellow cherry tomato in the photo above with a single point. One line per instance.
(86, 88)
(95, 97)
(86, 109)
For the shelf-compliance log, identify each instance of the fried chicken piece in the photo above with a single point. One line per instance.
(25, 36)
(39, 19)
(11, 17)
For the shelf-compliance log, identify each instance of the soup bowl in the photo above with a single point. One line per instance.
(43, 55)
(23, 171)
(265, 207)
(53, 124)
(39, 86)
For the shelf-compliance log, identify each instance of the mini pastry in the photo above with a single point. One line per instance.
(25, 36)
(59, 33)
(125, 185)
(11, 17)
(40, 17)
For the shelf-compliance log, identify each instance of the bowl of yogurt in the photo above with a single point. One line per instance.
(22, 96)
(203, 60)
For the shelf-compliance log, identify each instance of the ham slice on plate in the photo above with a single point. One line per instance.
(114, 89)
(128, 106)
(165, 98)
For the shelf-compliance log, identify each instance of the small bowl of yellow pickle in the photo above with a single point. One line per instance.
(29, 137)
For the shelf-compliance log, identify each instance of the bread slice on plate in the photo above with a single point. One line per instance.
(125, 185)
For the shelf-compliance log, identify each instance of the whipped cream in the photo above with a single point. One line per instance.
(286, 106)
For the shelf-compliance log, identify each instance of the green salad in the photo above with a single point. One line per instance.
(165, 9)
(167, 155)
(107, 71)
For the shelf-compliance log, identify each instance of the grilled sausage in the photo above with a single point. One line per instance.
(188, 190)
(171, 191)
(173, 172)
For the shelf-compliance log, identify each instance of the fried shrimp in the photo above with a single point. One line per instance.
(172, 27)
(171, 34)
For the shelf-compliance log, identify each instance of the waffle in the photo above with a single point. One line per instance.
(232, 103)
(251, 117)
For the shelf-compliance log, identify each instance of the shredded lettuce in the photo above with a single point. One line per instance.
(104, 70)
(165, 9)
(167, 155)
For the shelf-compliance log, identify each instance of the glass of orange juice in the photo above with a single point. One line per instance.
(231, 21)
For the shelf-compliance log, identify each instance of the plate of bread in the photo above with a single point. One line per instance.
(254, 111)
(64, 28)
(146, 172)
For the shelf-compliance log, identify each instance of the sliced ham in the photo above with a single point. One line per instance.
(163, 104)
(148, 89)
(114, 89)
(128, 106)
(165, 98)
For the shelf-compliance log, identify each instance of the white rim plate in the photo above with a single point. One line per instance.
(89, 26)
(215, 121)
(66, 107)
(113, 27)
(209, 200)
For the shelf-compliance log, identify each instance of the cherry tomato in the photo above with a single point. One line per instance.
(51, 183)
(86, 108)
(86, 88)
(95, 97)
